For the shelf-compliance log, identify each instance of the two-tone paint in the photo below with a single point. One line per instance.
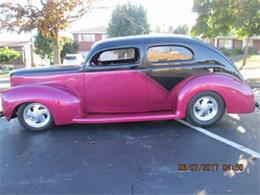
(130, 92)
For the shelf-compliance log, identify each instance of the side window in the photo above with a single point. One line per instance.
(168, 53)
(115, 57)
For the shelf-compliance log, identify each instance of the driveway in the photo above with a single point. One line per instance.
(131, 158)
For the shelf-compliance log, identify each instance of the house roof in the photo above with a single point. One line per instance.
(13, 43)
(98, 29)
(14, 39)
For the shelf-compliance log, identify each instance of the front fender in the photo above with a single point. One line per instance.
(237, 95)
(63, 105)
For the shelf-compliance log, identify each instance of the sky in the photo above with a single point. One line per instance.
(159, 12)
(164, 13)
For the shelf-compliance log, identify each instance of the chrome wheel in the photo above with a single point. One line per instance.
(205, 108)
(36, 115)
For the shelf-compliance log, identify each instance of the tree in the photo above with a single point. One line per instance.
(127, 20)
(221, 17)
(214, 18)
(70, 46)
(8, 55)
(182, 29)
(49, 17)
(43, 46)
(157, 29)
(247, 21)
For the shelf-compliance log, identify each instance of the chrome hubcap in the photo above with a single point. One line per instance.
(36, 115)
(205, 108)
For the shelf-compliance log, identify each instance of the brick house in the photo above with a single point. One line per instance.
(231, 42)
(87, 37)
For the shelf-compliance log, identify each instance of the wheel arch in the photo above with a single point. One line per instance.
(57, 100)
(236, 95)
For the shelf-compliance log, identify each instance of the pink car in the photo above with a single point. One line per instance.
(127, 79)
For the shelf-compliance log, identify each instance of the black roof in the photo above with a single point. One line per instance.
(148, 39)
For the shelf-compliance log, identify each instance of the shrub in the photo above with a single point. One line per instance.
(69, 46)
(252, 51)
(8, 55)
(232, 52)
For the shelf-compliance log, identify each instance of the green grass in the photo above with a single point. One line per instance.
(4, 74)
(253, 61)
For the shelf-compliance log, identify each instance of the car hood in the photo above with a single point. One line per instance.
(46, 70)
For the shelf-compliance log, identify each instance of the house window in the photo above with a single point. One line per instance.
(116, 57)
(87, 37)
(225, 43)
(168, 53)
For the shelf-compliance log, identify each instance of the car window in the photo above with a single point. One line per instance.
(116, 57)
(168, 53)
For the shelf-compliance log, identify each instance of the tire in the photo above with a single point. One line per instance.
(205, 109)
(35, 117)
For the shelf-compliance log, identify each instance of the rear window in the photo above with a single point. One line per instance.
(168, 53)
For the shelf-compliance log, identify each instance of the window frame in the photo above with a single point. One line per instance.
(90, 67)
(151, 63)
(81, 36)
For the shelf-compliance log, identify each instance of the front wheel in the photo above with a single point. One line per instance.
(35, 117)
(205, 109)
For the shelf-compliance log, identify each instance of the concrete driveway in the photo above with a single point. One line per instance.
(131, 158)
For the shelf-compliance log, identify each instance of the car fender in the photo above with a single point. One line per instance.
(63, 105)
(237, 96)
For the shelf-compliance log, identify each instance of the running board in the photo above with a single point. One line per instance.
(115, 118)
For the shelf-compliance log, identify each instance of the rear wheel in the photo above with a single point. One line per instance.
(35, 117)
(205, 109)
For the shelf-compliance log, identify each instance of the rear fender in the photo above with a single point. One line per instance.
(63, 105)
(237, 95)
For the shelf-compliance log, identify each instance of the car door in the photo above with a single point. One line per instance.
(114, 81)
(166, 67)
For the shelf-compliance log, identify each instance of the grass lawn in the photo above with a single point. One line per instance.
(253, 61)
(4, 74)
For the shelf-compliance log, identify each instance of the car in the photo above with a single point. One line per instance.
(127, 79)
(73, 59)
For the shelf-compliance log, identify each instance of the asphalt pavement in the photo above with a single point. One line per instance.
(130, 158)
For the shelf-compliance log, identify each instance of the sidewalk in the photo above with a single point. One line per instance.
(4, 83)
(252, 77)
(250, 74)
